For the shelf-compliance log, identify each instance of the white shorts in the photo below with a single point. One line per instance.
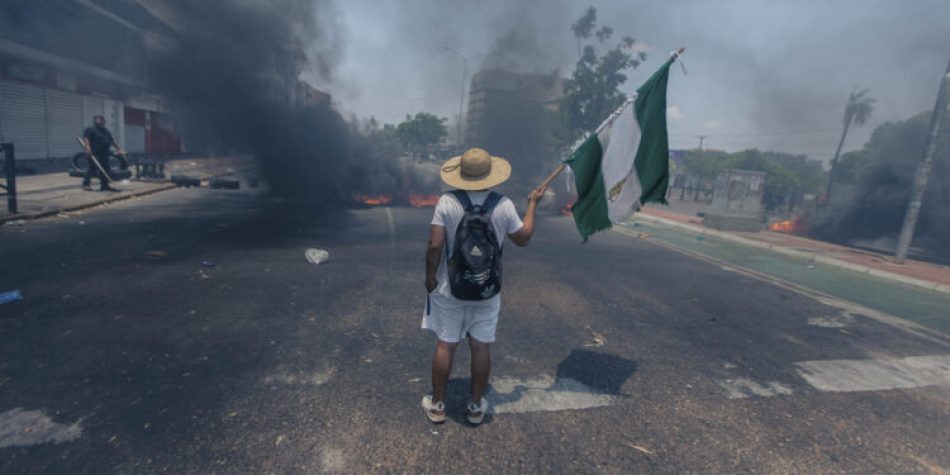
(453, 319)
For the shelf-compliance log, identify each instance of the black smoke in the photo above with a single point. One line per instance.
(867, 209)
(516, 92)
(233, 71)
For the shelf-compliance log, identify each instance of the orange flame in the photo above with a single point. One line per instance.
(373, 200)
(795, 225)
(419, 200)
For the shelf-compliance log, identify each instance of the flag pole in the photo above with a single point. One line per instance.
(560, 168)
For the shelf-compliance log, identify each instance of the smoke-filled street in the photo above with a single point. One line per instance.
(205, 342)
(530, 236)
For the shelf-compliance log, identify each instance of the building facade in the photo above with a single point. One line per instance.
(492, 91)
(64, 61)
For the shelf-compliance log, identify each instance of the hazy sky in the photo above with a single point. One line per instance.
(772, 74)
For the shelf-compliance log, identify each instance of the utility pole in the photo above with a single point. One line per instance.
(461, 93)
(923, 169)
(699, 180)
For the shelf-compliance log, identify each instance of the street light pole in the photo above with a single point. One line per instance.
(923, 169)
(462, 92)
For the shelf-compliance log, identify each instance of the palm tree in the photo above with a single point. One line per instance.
(857, 111)
(584, 26)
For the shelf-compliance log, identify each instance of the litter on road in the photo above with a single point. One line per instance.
(640, 449)
(10, 296)
(316, 256)
(597, 338)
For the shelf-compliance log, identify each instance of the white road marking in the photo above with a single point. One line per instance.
(843, 319)
(543, 393)
(293, 378)
(391, 222)
(333, 460)
(876, 374)
(19, 427)
(742, 388)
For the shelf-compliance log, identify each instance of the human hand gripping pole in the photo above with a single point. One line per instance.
(94, 161)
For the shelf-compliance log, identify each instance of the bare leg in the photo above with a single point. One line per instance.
(481, 367)
(442, 368)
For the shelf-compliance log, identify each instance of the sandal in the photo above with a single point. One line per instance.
(475, 413)
(434, 411)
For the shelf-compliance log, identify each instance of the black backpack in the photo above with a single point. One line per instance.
(475, 262)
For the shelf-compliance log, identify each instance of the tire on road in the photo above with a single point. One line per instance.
(79, 162)
(224, 183)
(186, 181)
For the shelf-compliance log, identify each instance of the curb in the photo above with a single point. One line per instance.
(809, 256)
(92, 204)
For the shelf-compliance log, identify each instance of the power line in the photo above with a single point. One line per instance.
(760, 134)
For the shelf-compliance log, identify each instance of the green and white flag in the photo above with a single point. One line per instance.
(625, 162)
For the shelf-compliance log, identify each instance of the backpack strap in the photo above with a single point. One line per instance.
(491, 201)
(463, 198)
(487, 207)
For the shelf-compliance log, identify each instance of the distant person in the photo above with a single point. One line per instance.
(98, 142)
(463, 270)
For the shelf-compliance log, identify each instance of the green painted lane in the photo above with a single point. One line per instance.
(927, 308)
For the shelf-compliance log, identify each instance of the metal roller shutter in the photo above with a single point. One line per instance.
(23, 118)
(64, 112)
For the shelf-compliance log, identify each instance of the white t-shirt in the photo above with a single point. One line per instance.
(449, 212)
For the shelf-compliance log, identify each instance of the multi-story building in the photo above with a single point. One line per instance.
(64, 61)
(492, 91)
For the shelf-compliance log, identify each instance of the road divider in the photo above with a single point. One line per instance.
(809, 256)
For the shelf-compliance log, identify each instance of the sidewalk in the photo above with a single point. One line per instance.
(53, 193)
(919, 274)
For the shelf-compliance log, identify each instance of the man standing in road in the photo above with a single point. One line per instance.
(463, 270)
(98, 141)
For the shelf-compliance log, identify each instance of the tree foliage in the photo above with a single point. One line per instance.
(787, 177)
(593, 91)
(584, 26)
(859, 108)
(419, 131)
(857, 111)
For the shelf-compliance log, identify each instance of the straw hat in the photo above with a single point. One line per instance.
(475, 170)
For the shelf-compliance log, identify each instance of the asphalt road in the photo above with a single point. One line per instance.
(617, 356)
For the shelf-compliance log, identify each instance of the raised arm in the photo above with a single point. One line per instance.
(522, 236)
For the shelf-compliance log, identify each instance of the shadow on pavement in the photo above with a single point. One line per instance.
(583, 372)
(600, 371)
